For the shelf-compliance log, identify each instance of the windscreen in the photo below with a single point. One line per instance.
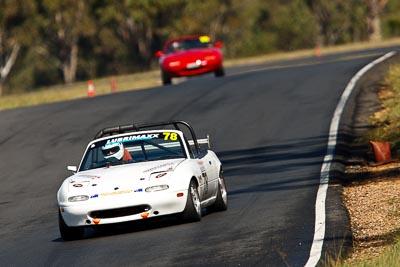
(133, 148)
(186, 44)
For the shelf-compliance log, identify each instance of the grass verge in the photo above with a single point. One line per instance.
(389, 257)
(80, 90)
(387, 122)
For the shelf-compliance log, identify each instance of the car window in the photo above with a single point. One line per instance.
(183, 45)
(141, 147)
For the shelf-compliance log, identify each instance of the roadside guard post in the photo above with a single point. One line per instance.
(382, 152)
(317, 51)
(90, 89)
(113, 85)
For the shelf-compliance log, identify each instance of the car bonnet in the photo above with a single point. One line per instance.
(127, 177)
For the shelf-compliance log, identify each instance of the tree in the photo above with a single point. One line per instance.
(205, 17)
(65, 22)
(375, 8)
(391, 19)
(9, 58)
(13, 21)
(44, 42)
(339, 21)
(223, 20)
(139, 25)
(294, 26)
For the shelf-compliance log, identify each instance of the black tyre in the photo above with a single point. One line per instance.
(221, 202)
(69, 233)
(192, 210)
(219, 72)
(166, 79)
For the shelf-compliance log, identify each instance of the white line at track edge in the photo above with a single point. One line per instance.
(319, 231)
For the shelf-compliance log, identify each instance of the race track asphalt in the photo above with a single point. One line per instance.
(269, 125)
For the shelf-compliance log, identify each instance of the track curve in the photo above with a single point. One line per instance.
(269, 125)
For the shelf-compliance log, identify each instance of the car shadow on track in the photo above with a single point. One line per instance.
(296, 162)
(133, 227)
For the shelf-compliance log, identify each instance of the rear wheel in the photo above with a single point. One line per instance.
(192, 210)
(219, 72)
(69, 233)
(221, 202)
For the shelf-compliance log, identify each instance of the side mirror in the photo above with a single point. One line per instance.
(158, 54)
(72, 168)
(218, 44)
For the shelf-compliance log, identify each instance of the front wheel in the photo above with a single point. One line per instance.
(69, 233)
(166, 79)
(192, 210)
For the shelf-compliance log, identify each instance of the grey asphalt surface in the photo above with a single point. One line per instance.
(268, 124)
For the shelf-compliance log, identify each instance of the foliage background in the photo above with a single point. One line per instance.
(46, 42)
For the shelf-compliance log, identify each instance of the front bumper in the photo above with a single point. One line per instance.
(129, 207)
(184, 71)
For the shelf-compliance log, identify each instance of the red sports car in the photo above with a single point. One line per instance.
(189, 56)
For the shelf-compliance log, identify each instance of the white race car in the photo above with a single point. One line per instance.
(135, 172)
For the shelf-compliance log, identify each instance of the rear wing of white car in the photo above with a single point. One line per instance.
(205, 141)
(202, 142)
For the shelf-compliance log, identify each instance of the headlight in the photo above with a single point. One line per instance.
(78, 198)
(157, 188)
(174, 63)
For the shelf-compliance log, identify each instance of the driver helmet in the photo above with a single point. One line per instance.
(176, 46)
(113, 151)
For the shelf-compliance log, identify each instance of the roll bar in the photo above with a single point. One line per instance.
(133, 128)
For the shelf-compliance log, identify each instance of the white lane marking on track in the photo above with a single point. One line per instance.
(319, 231)
(283, 66)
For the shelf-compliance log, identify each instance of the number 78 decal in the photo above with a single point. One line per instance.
(170, 136)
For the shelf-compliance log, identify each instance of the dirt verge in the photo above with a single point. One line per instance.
(370, 193)
(373, 202)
